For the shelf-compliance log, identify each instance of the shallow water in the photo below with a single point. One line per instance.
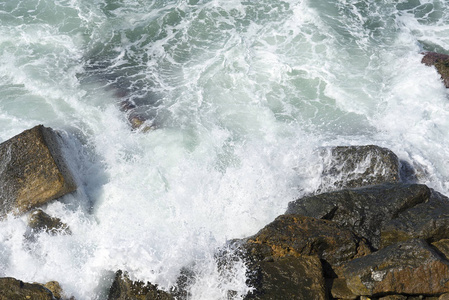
(240, 93)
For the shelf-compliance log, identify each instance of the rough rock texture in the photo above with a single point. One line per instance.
(363, 210)
(57, 291)
(339, 289)
(441, 63)
(288, 278)
(11, 288)
(357, 166)
(32, 171)
(40, 221)
(428, 220)
(296, 235)
(411, 268)
(125, 289)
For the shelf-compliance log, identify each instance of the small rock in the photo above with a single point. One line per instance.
(40, 221)
(441, 63)
(411, 268)
(32, 171)
(357, 166)
(125, 289)
(11, 288)
(362, 210)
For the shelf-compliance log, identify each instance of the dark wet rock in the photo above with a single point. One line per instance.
(441, 63)
(357, 166)
(408, 268)
(40, 221)
(32, 171)
(125, 289)
(296, 235)
(428, 220)
(288, 278)
(363, 210)
(339, 289)
(11, 288)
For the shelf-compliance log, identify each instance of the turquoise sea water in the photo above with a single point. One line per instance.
(240, 95)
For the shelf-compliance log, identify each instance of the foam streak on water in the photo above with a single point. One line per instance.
(241, 94)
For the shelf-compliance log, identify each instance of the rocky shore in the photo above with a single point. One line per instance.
(370, 232)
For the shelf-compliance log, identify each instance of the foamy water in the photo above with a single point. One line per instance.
(241, 95)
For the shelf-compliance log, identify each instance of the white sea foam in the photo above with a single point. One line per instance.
(243, 93)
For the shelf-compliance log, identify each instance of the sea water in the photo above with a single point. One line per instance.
(239, 95)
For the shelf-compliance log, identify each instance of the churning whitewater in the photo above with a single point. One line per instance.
(238, 95)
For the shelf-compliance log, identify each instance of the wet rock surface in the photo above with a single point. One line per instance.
(39, 221)
(357, 166)
(11, 288)
(362, 210)
(411, 267)
(125, 289)
(32, 171)
(288, 278)
(441, 63)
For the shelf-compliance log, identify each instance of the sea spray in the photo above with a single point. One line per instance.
(241, 95)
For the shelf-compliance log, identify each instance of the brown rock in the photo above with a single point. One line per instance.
(288, 278)
(444, 297)
(340, 290)
(441, 63)
(41, 221)
(11, 288)
(125, 289)
(297, 235)
(411, 268)
(56, 289)
(357, 166)
(32, 171)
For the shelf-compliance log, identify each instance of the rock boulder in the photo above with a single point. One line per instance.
(32, 171)
(441, 63)
(357, 166)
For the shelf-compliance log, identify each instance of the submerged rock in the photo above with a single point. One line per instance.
(124, 288)
(11, 288)
(411, 268)
(32, 171)
(40, 221)
(357, 166)
(363, 210)
(441, 63)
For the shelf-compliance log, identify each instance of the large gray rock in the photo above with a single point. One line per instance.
(357, 166)
(428, 220)
(441, 63)
(363, 210)
(32, 171)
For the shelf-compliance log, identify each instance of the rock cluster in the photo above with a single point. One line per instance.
(381, 241)
(372, 235)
